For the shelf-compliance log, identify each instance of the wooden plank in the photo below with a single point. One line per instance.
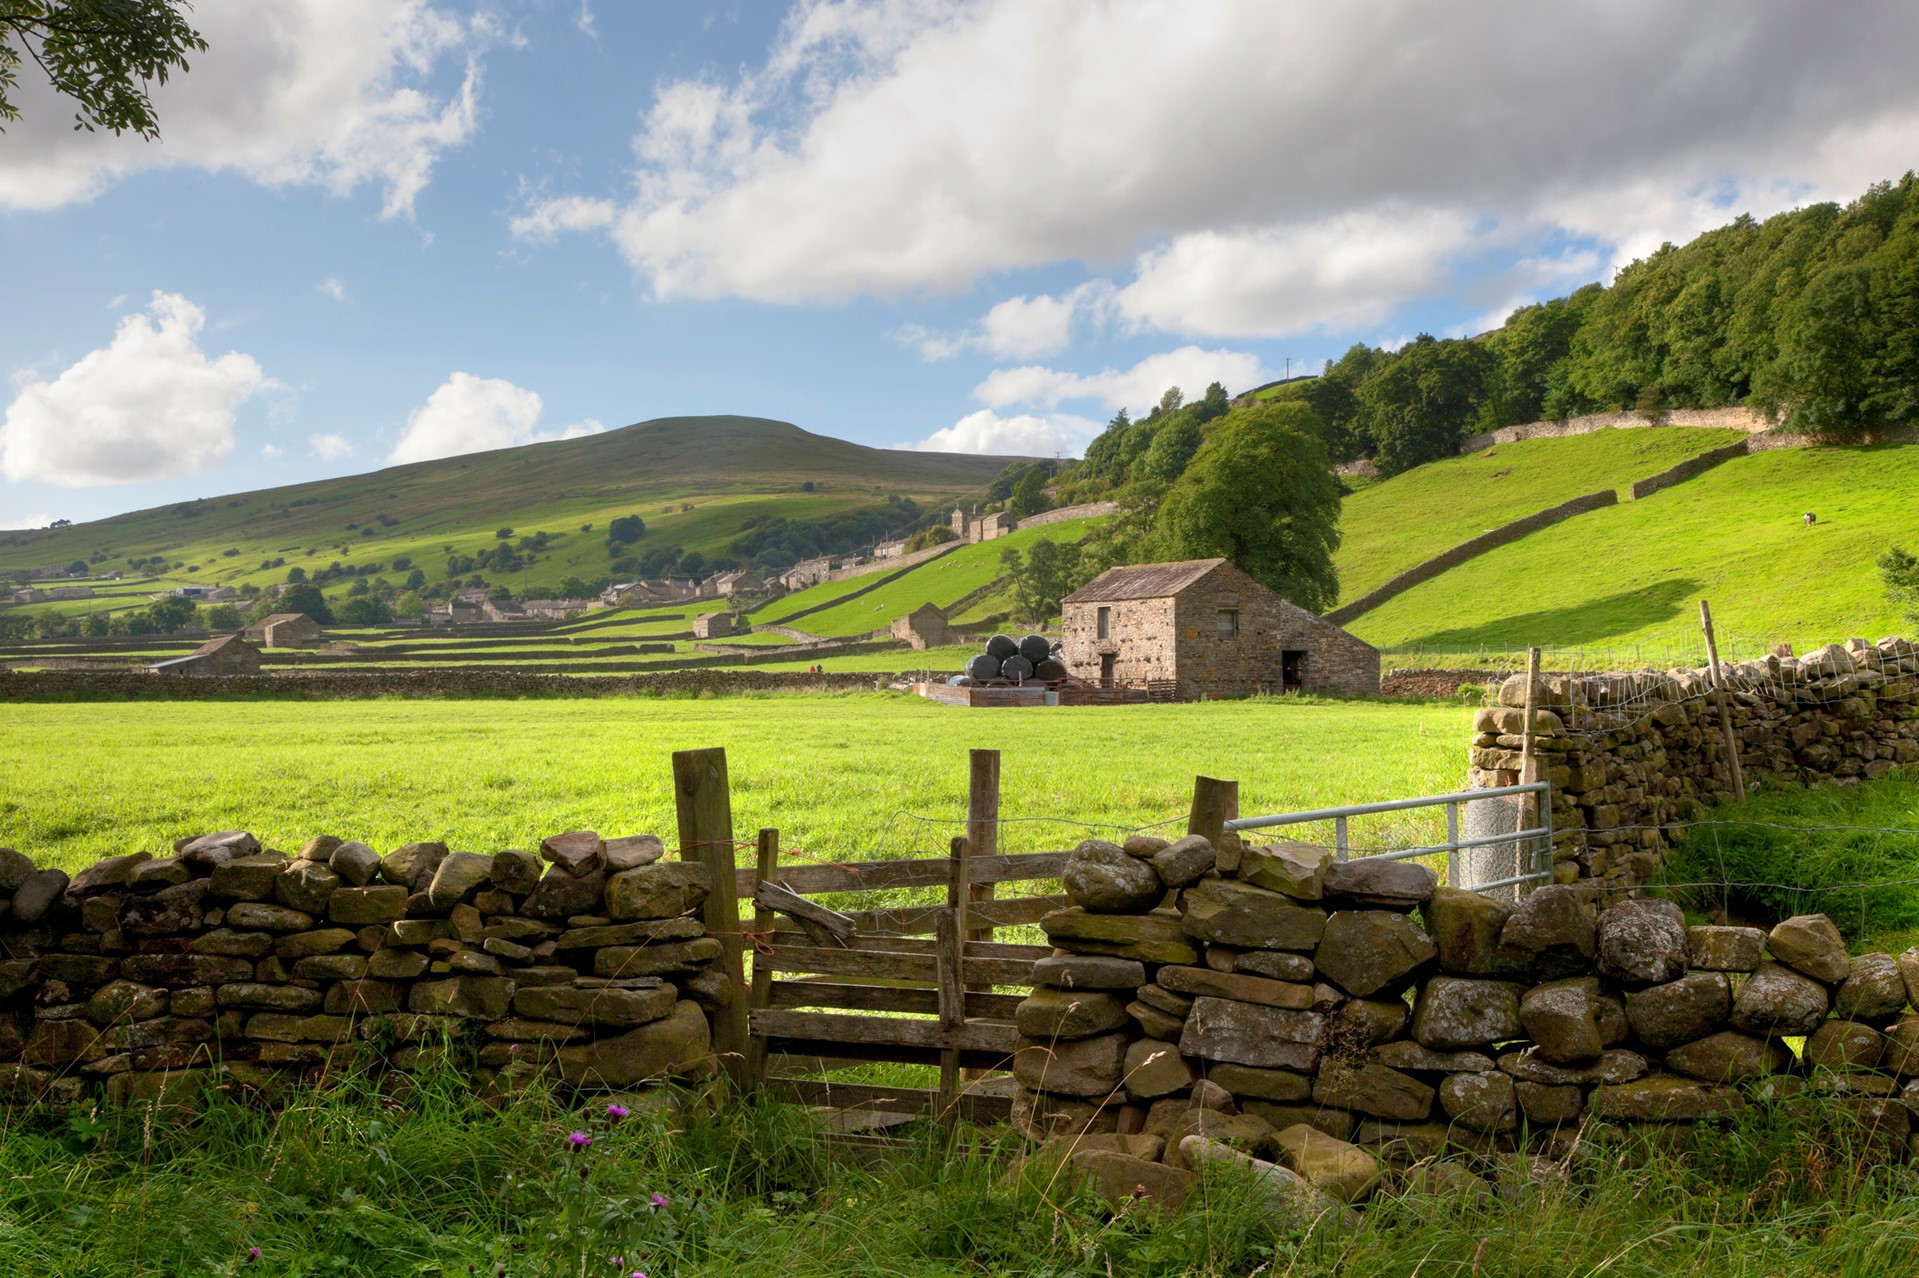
(886, 1031)
(950, 935)
(978, 1107)
(982, 917)
(872, 876)
(880, 998)
(823, 925)
(1725, 710)
(928, 946)
(767, 866)
(705, 809)
(919, 967)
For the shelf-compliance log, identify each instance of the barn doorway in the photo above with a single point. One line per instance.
(1292, 670)
(1106, 662)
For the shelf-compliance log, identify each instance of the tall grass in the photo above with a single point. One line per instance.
(360, 1180)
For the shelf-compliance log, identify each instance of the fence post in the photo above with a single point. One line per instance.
(766, 869)
(705, 807)
(1215, 803)
(1528, 765)
(1725, 709)
(982, 825)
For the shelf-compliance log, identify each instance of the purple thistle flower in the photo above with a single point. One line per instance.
(658, 1201)
(253, 1253)
(617, 1261)
(579, 1140)
(617, 1111)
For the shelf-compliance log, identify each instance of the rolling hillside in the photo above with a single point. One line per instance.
(697, 481)
(1627, 573)
(1392, 525)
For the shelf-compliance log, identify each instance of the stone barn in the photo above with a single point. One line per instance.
(926, 627)
(714, 625)
(285, 630)
(1211, 630)
(231, 655)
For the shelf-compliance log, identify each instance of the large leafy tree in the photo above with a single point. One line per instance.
(1260, 493)
(103, 55)
(1417, 405)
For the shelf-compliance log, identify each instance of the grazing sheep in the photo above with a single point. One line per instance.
(1811, 519)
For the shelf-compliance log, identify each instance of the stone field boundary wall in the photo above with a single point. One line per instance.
(83, 685)
(1631, 754)
(149, 978)
(1505, 534)
(1687, 469)
(1349, 1028)
(1733, 418)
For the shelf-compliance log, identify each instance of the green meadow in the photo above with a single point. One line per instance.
(857, 776)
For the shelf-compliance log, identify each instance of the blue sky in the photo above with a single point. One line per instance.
(381, 230)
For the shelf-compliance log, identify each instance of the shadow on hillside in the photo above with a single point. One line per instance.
(1585, 623)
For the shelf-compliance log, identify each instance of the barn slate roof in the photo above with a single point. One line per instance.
(1142, 581)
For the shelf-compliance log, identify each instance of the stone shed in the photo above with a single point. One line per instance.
(714, 625)
(230, 655)
(1211, 630)
(926, 627)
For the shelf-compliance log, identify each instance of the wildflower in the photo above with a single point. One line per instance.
(617, 1111)
(618, 1261)
(658, 1201)
(579, 1140)
(253, 1253)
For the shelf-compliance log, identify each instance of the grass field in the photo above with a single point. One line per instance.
(1397, 523)
(845, 776)
(1733, 536)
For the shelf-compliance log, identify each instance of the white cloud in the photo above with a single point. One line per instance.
(335, 93)
(1292, 168)
(468, 414)
(547, 219)
(329, 447)
(149, 405)
(271, 452)
(26, 521)
(333, 288)
(1022, 435)
(574, 430)
(1191, 368)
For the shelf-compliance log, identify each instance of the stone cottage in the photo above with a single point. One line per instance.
(230, 655)
(1211, 630)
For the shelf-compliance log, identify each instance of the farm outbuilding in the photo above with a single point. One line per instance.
(714, 625)
(925, 627)
(230, 655)
(285, 630)
(1209, 629)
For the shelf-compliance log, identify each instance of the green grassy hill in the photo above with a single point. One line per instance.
(697, 481)
(1390, 526)
(943, 581)
(1628, 573)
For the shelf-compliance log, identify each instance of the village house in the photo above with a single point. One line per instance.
(285, 630)
(503, 610)
(28, 595)
(660, 590)
(926, 627)
(1209, 629)
(70, 592)
(890, 549)
(810, 572)
(731, 583)
(229, 655)
(556, 609)
(715, 625)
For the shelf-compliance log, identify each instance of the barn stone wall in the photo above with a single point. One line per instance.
(1630, 755)
(1351, 1025)
(231, 965)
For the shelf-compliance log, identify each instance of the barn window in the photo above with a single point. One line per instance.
(1228, 622)
(1106, 623)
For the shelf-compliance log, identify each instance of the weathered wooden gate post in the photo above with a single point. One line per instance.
(1215, 803)
(705, 806)
(762, 994)
(982, 823)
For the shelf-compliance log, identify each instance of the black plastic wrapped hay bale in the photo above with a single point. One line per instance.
(1000, 647)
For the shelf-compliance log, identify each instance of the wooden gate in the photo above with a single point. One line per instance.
(917, 983)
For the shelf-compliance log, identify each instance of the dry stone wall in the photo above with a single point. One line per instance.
(230, 965)
(1631, 754)
(1350, 1026)
(81, 685)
